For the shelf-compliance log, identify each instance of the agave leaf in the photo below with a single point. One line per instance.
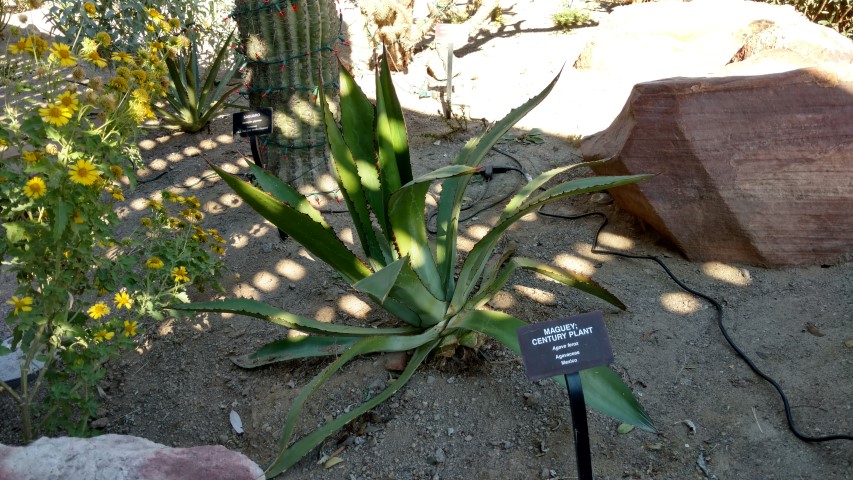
(287, 194)
(379, 284)
(408, 222)
(408, 290)
(395, 167)
(603, 390)
(213, 71)
(289, 456)
(363, 346)
(350, 185)
(479, 255)
(569, 278)
(294, 348)
(254, 308)
(358, 118)
(540, 180)
(453, 190)
(310, 234)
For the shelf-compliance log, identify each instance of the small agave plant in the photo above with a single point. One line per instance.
(403, 271)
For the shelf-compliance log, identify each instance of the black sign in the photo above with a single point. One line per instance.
(564, 346)
(253, 122)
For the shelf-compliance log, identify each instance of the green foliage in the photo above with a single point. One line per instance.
(64, 166)
(569, 17)
(837, 14)
(128, 20)
(195, 98)
(402, 271)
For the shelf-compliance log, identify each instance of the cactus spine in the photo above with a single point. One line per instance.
(287, 43)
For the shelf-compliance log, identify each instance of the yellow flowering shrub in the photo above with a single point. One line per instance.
(84, 295)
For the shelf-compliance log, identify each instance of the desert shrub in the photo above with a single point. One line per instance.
(837, 14)
(569, 16)
(68, 150)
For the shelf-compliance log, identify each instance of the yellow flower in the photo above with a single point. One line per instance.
(35, 188)
(69, 100)
(119, 83)
(155, 205)
(84, 172)
(123, 72)
(145, 222)
(191, 214)
(122, 57)
(116, 171)
(180, 274)
(103, 38)
(23, 45)
(62, 53)
(21, 304)
(154, 263)
(122, 299)
(95, 58)
(75, 216)
(155, 15)
(98, 310)
(55, 114)
(118, 195)
(193, 201)
(140, 77)
(217, 250)
(103, 335)
(39, 46)
(32, 156)
(174, 23)
(90, 8)
(129, 328)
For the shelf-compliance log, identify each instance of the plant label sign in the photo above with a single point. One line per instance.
(564, 346)
(251, 123)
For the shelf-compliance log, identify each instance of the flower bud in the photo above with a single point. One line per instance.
(51, 149)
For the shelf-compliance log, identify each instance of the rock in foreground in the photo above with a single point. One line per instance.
(122, 457)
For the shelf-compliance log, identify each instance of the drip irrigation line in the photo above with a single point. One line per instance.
(717, 306)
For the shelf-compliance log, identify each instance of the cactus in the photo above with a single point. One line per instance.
(289, 45)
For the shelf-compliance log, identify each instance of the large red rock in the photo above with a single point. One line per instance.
(122, 457)
(753, 168)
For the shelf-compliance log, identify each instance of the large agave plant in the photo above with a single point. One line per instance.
(403, 272)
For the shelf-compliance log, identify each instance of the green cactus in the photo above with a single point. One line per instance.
(287, 43)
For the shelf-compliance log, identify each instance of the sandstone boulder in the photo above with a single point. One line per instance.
(755, 169)
(122, 457)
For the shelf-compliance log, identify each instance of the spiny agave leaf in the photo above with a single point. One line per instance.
(310, 234)
(569, 278)
(409, 291)
(295, 348)
(395, 168)
(540, 180)
(479, 255)
(350, 185)
(254, 308)
(287, 194)
(453, 190)
(358, 117)
(379, 284)
(295, 452)
(288, 456)
(603, 390)
(408, 223)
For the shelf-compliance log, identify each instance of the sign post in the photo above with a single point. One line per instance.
(566, 346)
(251, 124)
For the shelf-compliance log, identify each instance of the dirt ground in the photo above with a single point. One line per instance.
(483, 419)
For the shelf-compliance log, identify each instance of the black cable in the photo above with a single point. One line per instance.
(717, 307)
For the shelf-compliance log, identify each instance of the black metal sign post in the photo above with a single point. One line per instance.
(566, 346)
(251, 124)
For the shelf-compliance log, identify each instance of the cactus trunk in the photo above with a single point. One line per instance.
(289, 45)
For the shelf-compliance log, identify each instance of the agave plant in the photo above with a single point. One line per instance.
(403, 272)
(194, 100)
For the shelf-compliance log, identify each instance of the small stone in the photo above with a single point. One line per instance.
(430, 380)
(450, 431)
(102, 422)
(468, 438)
(531, 399)
(601, 198)
(438, 457)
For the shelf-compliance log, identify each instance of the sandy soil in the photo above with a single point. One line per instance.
(483, 418)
